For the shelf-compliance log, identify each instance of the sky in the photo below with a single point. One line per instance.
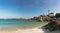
(27, 8)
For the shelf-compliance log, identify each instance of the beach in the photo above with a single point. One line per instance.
(15, 26)
(34, 30)
(22, 26)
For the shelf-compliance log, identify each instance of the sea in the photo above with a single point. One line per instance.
(13, 24)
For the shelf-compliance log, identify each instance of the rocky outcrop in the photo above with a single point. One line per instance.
(52, 26)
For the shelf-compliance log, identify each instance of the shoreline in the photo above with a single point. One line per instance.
(28, 30)
(34, 30)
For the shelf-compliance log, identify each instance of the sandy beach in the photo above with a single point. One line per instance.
(34, 30)
(30, 30)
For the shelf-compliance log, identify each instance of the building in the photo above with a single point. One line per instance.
(51, 14)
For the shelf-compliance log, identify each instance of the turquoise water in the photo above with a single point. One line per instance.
(17, 24)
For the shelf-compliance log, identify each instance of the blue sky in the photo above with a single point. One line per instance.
(27, 8)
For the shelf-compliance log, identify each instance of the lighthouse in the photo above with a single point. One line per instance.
(48, 11)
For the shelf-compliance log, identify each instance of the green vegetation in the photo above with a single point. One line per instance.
(57, 15)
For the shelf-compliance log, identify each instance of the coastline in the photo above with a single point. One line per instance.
(29, 30)
(33, 30)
